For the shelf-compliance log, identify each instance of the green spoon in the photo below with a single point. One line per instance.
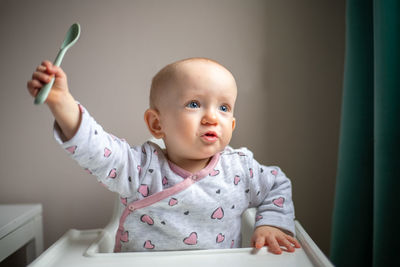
(70, 39)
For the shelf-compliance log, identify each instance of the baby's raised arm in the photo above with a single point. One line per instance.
(98, 152)
(60, 102)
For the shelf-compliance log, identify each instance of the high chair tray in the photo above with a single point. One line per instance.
(81, 248)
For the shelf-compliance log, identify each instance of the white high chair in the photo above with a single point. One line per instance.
(95, 248)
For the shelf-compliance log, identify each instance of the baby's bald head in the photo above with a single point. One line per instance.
(171, 75)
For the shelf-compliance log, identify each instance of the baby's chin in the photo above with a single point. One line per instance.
(205, 154)
(198, 153)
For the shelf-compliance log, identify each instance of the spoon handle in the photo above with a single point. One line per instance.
(45, 90)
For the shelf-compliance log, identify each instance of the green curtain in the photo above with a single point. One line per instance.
(366, 217)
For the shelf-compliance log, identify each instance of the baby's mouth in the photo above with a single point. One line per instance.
(210, 136)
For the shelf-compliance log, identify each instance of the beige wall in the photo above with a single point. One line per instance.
(287, 57)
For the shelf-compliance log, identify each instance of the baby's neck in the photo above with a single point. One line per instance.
(190, 165)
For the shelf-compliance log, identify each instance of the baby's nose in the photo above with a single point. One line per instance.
(210, 117)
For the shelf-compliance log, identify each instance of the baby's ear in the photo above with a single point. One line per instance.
(152, 119)
(233, 124)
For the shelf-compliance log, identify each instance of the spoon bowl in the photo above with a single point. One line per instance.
(72, 36)
(70, 39)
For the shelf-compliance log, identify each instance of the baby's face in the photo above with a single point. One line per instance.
(196, 113)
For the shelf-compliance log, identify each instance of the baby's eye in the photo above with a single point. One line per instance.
(193, 104)
(224, 108)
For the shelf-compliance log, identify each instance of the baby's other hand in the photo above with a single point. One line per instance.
(274, 238)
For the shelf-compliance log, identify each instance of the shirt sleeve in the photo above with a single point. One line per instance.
(271, 194)
(116, 164)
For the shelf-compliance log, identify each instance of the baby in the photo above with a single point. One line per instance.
(190, 195)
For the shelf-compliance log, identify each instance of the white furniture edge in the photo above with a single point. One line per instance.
(24, 228)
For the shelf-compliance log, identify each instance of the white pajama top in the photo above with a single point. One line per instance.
(168, 208)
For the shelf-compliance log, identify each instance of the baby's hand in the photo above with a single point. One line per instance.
(274, 238)
(43, 74)
(61, 103)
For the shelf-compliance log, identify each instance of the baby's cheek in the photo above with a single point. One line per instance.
(227, 138)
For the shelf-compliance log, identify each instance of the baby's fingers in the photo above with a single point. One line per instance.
(273, 245)
(294, 241)
(285, 243)
(53, 70)
(47, 66)
(41, 68)
(41, 77)
(259, 242)
(34, 87)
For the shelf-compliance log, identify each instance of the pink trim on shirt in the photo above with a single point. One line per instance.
(200, 174)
